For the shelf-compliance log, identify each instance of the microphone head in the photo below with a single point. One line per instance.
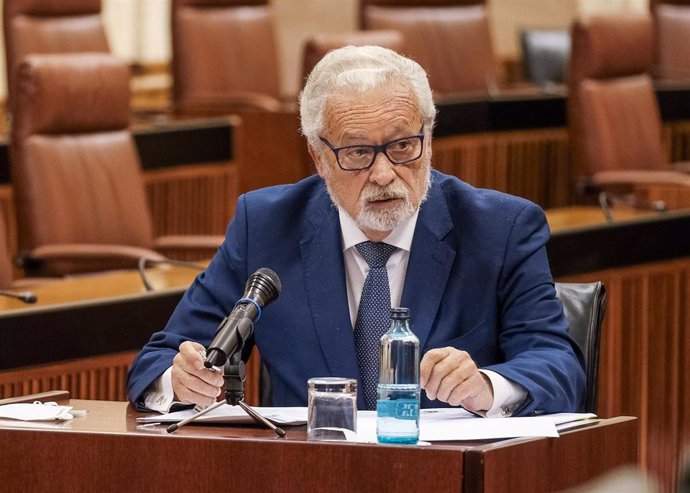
(264, 286)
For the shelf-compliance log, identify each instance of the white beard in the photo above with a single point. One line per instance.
(383, 220)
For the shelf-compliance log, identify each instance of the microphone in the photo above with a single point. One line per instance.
(141, 266)
(262, 288)
(27, 296)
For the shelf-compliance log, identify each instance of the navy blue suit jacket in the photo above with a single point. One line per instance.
(478, 279)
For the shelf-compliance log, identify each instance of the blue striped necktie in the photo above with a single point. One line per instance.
(373, 315)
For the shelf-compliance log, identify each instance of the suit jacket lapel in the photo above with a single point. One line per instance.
(324, 274)
(430, 264)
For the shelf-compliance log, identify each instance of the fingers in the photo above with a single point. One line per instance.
(191, 381)
(450, 375)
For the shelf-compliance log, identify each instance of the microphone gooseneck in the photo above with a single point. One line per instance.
(262, 288)
(26, 297)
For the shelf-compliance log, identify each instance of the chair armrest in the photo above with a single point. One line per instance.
(189, 241)
(68, 258)
(189, 246)
(682, 167)
(641, 177)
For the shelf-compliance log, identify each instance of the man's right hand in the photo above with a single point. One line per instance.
(191, 381)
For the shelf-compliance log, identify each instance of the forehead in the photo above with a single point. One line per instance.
(393, 108)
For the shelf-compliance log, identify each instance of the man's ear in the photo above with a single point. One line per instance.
(317, 157)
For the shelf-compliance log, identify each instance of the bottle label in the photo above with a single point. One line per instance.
(398, 409)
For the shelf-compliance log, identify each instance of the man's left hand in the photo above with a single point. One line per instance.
(450, 375)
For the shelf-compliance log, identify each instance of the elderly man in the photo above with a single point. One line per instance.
(470, 264)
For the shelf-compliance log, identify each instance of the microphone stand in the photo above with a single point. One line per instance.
(234, 374)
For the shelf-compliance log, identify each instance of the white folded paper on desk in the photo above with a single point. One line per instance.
(453, 424)
(36, 411)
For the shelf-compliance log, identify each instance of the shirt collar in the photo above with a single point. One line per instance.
(400, 237)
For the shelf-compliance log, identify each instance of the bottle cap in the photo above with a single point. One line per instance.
(400, 313)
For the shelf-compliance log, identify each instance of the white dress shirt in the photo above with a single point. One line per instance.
(507, 394)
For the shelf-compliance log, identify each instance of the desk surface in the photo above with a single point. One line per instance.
(113, 284)
(108, 451)
(78, 317)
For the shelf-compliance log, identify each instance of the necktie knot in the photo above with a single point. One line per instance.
(376, 254)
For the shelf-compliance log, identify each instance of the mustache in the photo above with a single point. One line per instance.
(393, 191)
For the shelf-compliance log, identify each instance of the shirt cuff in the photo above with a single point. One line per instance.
(160, 396)
(508, 395)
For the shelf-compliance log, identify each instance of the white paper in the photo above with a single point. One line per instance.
(283, 416)
(457, 424)
(35, 412)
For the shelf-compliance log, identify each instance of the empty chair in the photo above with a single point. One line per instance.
(584, 305)
(316, 46)
(51, 26)
(79, 190)
(545, 54)
(450, 39)
(614, 120)
(672, 41)
(224, 57)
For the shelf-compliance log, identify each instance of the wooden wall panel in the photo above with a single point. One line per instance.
(7, 215)
(644, 366)
(99, 377)
(532, 164)
(192, 199)
(677, 140)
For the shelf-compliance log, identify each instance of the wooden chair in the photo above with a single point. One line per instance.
(672, 22)
(614, 120)
(78, 185)
(449, 38)
(224, 57)
(50, 26)
(316, 46)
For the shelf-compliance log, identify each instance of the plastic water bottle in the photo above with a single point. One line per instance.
(397, 407)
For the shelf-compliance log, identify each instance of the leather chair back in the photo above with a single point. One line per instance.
(316, 46)
(450, 39)
(51, 26)
(584, 305)
(613, 114)
(76, 172)
(224, 56)
(673, 41)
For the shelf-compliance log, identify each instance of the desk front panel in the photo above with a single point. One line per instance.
(107, 451)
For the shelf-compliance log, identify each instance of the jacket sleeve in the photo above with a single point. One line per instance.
(211, 297)
(539, 354)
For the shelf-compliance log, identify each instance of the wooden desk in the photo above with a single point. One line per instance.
(83, 332)
(645, 266)
(91, 287)
(107, 451)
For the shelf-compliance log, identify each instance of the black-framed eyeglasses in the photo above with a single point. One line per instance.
(360, 157)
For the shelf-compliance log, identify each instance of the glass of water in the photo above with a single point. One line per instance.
(332, 411)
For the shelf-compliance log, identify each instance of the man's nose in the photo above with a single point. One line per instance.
(381, 172)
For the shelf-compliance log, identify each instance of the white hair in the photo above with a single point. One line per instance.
(360, 69)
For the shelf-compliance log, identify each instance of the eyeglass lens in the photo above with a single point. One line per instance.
(399, 151)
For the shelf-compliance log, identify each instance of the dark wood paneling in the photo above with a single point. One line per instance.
(619, 244)
(36, 336)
